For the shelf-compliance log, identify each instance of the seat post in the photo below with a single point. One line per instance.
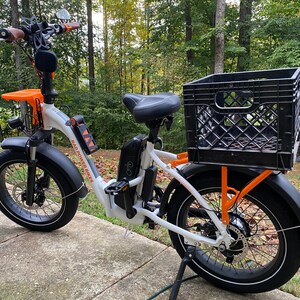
(154, 126)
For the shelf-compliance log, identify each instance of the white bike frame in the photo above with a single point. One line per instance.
(53, 118)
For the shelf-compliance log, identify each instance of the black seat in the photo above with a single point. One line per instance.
(147, 108)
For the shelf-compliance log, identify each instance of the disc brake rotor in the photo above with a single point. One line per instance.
(237, 250)
(17, 190)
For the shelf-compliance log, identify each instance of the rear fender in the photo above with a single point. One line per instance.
(276, 181)
(47, 153)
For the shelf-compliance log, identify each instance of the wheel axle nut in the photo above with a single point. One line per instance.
(222, 247)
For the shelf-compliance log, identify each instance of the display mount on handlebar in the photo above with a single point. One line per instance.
(39, 33)
(36, 34)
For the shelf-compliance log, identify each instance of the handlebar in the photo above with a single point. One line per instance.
(37, 35)
(11, 34)
(47, 30)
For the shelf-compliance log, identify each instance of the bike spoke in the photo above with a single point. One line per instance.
(262, 245)
(15, 181)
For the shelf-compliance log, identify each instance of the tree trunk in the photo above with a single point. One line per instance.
(147, 15)
(123, 45)
(15, 23)
(106, 51)
(219, 47)
(120, 69)
(26, 9)
(245, 34)
(212, 23)
(188, 30)
(18, 59)
(90, 46)
(143, 81)
(1, 134)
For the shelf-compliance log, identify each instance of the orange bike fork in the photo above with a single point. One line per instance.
(227, 202)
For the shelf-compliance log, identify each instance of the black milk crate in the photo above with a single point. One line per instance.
(248, 119)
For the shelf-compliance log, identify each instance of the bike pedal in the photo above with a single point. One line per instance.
(117, 187)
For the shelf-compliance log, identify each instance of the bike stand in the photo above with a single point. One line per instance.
(189, 255)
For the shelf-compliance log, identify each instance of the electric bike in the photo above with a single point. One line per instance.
(242, 223)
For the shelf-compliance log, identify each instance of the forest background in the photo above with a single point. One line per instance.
(147, 46)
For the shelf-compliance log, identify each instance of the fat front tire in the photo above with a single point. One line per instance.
(263, 255)
(54, 205)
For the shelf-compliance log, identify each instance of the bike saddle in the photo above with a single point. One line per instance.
(147, 108)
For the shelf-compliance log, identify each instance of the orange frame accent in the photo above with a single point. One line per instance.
(228, 203)
(33, 97)
(182, 158)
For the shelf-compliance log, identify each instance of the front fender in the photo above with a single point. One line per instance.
(47, 153)
(276, 181)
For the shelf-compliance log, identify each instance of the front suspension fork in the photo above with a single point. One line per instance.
(33, 142)
(31, 172)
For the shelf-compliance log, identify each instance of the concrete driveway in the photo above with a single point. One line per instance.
(90, 259)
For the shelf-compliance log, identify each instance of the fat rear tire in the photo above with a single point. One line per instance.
(264, 257)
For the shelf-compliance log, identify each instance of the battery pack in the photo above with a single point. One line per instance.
(130, 158)
(129, 164)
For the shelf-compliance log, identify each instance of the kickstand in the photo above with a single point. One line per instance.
(189, 255)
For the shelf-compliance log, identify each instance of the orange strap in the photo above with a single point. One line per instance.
(33, 97)
(228, 203)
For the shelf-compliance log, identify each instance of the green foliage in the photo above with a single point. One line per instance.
(142, 49)
(286, 55)
(107, 118)
(276, 37)
(7, 110)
